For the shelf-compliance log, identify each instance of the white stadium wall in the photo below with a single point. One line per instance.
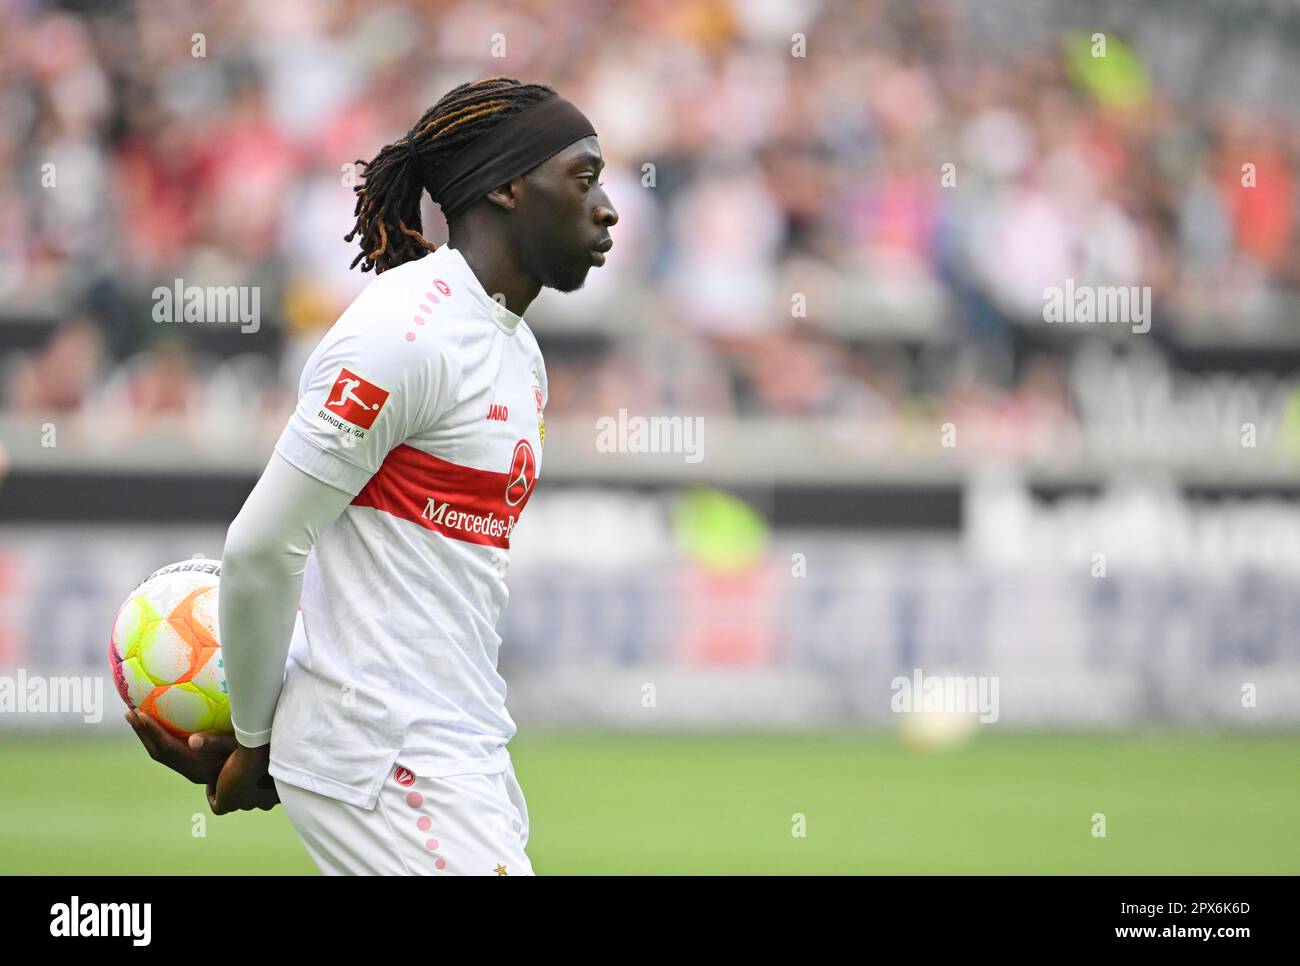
(622, 629)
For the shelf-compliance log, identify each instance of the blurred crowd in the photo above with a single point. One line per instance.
(839, 209)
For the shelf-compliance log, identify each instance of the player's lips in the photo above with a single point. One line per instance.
(598, 250)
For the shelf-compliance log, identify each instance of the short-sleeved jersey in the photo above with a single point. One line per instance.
(425, 400)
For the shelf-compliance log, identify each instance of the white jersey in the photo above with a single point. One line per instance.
(425, 400)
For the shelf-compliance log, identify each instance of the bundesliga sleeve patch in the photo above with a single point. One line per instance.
(354, 399)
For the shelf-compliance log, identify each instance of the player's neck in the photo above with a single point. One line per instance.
(494, 265)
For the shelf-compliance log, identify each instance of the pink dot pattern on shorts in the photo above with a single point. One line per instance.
(424, 823)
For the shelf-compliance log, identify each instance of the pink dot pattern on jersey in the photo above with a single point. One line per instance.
(424, 823)
(414, 799)
(431, 845)
(433, 298)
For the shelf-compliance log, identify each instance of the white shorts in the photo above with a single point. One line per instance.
(459, 825)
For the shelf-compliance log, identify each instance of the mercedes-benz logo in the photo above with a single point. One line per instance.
(522, 475)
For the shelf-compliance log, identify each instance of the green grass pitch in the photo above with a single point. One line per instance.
(619, 803)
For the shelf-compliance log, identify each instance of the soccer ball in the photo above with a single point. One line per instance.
(164, 650)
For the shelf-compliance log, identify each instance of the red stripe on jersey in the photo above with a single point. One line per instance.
(460, 502)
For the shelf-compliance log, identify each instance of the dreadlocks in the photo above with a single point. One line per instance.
(388, 200)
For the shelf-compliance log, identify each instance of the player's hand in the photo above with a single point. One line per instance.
(244, 782)
(200, 759)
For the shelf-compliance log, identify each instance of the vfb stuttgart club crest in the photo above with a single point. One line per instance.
(537, 397)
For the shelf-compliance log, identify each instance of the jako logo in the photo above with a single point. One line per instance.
(102, 919)
(404, 776)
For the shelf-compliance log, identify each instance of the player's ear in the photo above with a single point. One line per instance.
(505, 196)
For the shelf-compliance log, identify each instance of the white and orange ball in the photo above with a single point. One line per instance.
(164, 650)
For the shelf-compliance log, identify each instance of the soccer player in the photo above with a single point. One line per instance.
(385, 513)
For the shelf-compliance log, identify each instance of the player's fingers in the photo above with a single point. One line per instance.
(214, 743)
(268, 795)
(130, 720)
(136, 720)
(166, 749)
(161, 737)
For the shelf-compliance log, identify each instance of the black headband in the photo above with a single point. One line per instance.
(517, 145)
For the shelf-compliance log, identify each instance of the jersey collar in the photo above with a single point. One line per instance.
(502, 317)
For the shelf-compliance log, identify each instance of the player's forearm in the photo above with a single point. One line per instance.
(260, 586)
(261, 582)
